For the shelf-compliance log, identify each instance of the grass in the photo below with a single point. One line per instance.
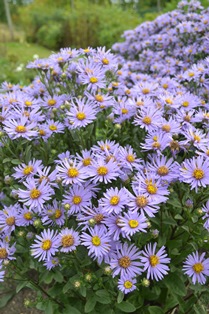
(14, 56)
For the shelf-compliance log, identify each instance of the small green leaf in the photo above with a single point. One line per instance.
(175, 284)
(58, 276)
(103, 296)
(120, 297)
(21, 285)
(6, 298)
(71, 310)
(126, 307)
(82, 291)
(49, 309)
(90, 304)
(67, 286)
(155, 310)
(178, 217)
(16, 161)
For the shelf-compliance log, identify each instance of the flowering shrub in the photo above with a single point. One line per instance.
(105, 173)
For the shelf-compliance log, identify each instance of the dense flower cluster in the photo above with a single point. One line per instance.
(104, 195)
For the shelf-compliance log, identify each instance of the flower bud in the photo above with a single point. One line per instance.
(37, 223)
(77, 284)
(107, 270)
(145, 282)
(92, 222)
(67, 206)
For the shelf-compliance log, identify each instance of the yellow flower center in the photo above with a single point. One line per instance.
(80, 116)
(166, 128)
(187, 118)
(27, 170)
(67, 240)
(77, 199)
(151, 188)
(102, 171)
(99, 98)
(51, 102)
(28, 103)
(154, 260)
(191, 74)
(130, 158)
(145, 91)
(197, 138)
(156, 145)
(124, 262)
(165, 86)
(133, 223)
(87, 161)
(162, 171)
(53, 127)
(185, 104)
(10, 221)
(58, 213)
(20, 129)
(124, 110)
(98, 218)
(114, 200)
(198, 174)
(141, 201)
(42, 132)
(93, 80)
(34, 193)
(72, 173)
(128, 284)
(28, 216)
(147, 120)
(105, 61)
(198, 267)
(169, 101)
(96, 240)
(3, 253)
(46, 245)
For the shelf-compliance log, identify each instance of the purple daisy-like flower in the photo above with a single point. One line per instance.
(8, 218)
(114, 200)
(78, 198)
(97, 242)
(21, 127)
(24, 171)
(52, 262)
(125, 261)
(126, 284)
(35, 195)
(81, 113)
(25, 217)
(46, 245)
(197, 267)
(155, 263)
(102, 171)
(53, 215)
(131, 223)
(195, 171)
(6, 252)
(69, 240)
(71, 172)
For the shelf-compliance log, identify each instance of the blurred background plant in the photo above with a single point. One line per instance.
(39, 27)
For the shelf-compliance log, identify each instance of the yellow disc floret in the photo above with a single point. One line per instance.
(114, 200)
(133, 223)
(20, 129)
(73, 172)
(102, 170)
(124, 261)
(67, 240)
(46, 245)
(198, 268)
(34, 193)
(96, 240)
(198, 174)
(154, 260)
(28, 170)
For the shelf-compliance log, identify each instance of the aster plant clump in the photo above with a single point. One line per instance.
(105, 173)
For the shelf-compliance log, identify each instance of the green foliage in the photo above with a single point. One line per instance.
(56, 25)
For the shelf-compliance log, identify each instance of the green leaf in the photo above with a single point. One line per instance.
(126, 307)
(178, 217)
(67, 286)
(58, 276)
(6, 160)
(71, 310)
(82, 291)
(155, 310)
(90, 304)
(6, 298)
(21, 285)
(49, 309)
(16, 161)
(120, 297)
(175, 284)
(103, 296)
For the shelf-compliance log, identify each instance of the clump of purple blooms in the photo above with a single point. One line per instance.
(99, 146)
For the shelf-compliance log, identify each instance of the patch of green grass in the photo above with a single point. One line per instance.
(14, 56)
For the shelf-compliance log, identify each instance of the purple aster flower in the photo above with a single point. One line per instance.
(114, 200)
(36, 194)
(126, 284)
(196, 267)
(148, 118)
(125, 261)
(24, 171)
(25, 217)
(52, 262)
(78, 198)
(114, 229)
(155, 263)
(90, 217)
(6, 252)
(68, 240)
(81, 113)
(8, 218)
(44, 173)
(97, 242)
(102, 171)
(128, 158)
(21, 127)
(195, 171)
(131, 223)
(53, 215)
(46, 245)
(54, 126)
(71, 172)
